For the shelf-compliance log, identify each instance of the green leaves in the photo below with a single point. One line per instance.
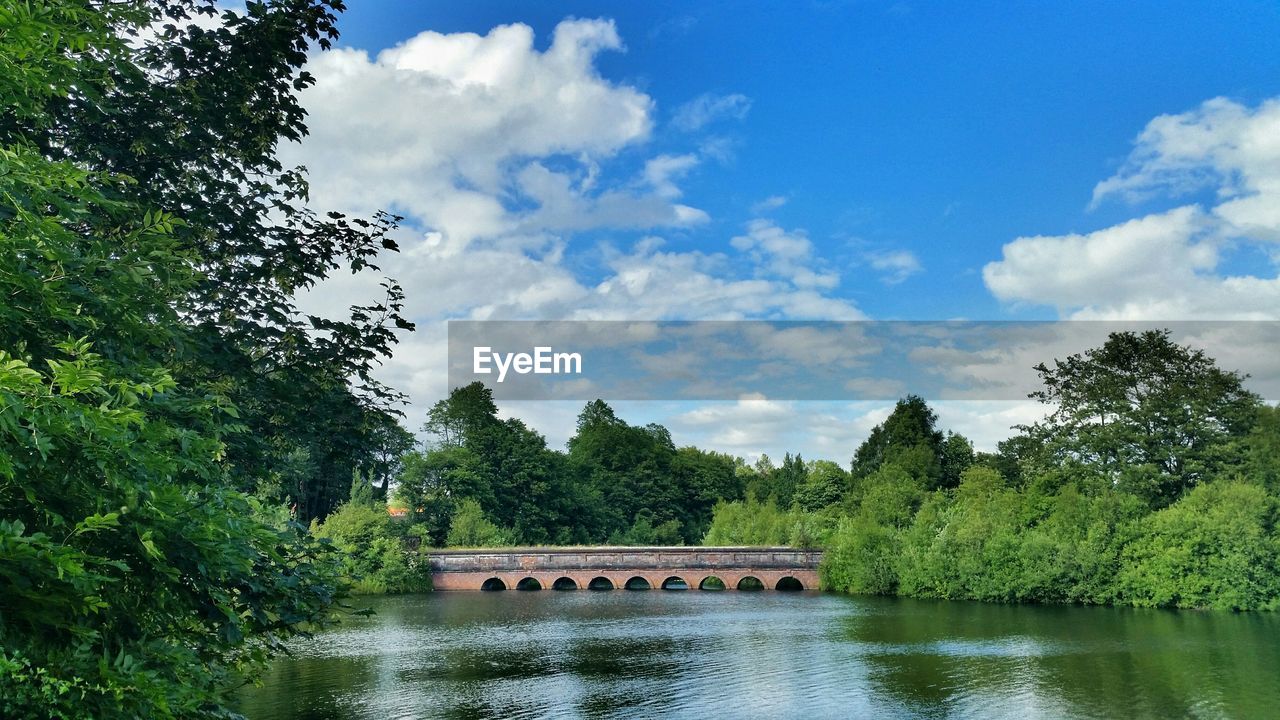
(135, 580)
(1142, 413)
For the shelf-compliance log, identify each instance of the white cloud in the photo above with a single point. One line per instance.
(664, 169)
(708, 108)
(782, 253)
(498, 154)
(773, 202)
(447, 129)
(1166, 265)
(894, 266)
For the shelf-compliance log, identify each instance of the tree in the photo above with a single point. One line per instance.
(957, 455)
(470, 528)
(1257, 455)
(193, 114)
(907, 438)
(466, 411)
(153, 366)
(390, 442)
(825, 485)
(362, 492)
(629, 467)
(1142, 413)
(704, 479)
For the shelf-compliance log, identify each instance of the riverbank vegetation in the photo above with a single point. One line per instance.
(1151, 482)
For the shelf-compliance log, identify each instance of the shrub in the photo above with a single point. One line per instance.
(1214, 548)
(375, 559)
(860, 559)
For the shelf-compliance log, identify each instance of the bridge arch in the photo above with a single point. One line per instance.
(600, 582)
(675, 582)
(750, 582)
(529, 583)
(712, 582)
(637, 583)
(493, 583)
(564, 583)
(789, 583)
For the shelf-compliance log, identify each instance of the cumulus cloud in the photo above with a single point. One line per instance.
(501, 155)
(446, 129)
(782, 253)
(708, 108)
(1167, 265)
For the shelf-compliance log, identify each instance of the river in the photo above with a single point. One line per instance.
(700, 654)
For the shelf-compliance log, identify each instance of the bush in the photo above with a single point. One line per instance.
(860, 559)
(375, 559)
(470, 528)
(1215, 548)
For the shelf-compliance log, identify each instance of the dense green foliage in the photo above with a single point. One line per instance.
(483, 480)
(375, 558)
(161, 399)
(1152, 482)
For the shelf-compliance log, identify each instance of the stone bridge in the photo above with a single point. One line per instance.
(632, 568)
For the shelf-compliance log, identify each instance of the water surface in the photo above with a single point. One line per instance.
(704, 654)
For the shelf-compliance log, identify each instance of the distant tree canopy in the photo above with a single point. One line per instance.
(617, 482)
(1151, 482)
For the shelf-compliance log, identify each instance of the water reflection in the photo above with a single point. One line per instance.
(729, 654)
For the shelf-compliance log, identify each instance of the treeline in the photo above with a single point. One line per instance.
(1154, 480)
(167, 412)
(482, 480)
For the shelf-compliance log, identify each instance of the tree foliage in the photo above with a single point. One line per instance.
(1152, 483)
(154, 371)
(1142, 413)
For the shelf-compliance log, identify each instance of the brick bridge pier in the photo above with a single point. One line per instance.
(633, 568)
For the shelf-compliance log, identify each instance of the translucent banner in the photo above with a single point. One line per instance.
(802, 360)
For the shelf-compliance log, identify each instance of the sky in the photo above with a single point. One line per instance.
(801, 161)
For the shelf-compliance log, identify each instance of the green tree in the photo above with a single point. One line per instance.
(909, 439)
(956, 456)
(470, 528)
(1257, 455)
(630, 468)
(152, 364)
(704, 479)
(1143, 413)
(825, 485)
(194, 114)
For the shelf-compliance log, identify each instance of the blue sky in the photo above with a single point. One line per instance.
(804, 160)
(946, 129)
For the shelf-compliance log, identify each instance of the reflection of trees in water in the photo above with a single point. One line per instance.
(597, 654)
(331, 687)
(944, 658)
